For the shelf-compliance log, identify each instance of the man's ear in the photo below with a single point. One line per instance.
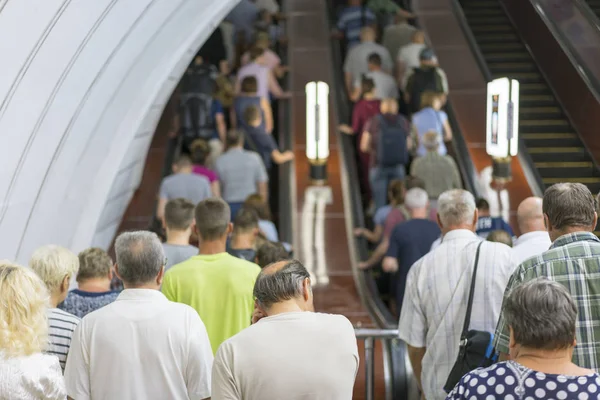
(439, 221)
(547, 223)
(229, 228)
(306, 289)
(475, 218)
(160, 276)
(117, 271)
(111, 274)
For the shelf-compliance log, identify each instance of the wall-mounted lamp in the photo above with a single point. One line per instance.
(317, 130)
(502, 132)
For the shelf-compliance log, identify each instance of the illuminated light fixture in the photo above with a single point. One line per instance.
(317, 130)
(502, 128)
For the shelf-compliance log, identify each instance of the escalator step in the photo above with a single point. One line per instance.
(510, 46)
(512, 66)
(499, 38)
(492, 28)
(580, 179)
(512, 56)
(546, 136)
(544, 123)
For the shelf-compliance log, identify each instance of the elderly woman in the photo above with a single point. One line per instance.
(56, 266)
(541, 315)
(25, 372)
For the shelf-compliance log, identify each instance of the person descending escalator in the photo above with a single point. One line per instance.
(428, 77)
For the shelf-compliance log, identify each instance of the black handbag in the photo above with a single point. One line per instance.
(476, 347)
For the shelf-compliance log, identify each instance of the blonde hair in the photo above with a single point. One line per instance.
(428, 98)
(52, 263)
(24, 301)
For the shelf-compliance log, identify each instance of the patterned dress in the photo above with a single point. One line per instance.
(512, 381)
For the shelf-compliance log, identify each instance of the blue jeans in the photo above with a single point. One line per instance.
(380, 178)
(235, 207)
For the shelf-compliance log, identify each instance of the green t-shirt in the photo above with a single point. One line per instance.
(219, 287)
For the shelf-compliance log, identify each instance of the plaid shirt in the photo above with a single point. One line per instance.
(573, 261)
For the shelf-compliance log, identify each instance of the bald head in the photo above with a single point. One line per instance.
(530, 215)
(367, 34)
(282, 283)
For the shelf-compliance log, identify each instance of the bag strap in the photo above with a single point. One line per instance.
(471, 293)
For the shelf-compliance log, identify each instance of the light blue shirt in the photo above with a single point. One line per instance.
(429, 120)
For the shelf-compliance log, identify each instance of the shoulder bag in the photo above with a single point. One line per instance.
(476, 347)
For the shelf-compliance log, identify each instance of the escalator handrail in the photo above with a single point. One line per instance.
(365, 285)
(532, 175)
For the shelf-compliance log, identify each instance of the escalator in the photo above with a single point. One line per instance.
(557, 152)
(595, 6)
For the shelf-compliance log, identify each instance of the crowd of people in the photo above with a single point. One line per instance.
(220, 310)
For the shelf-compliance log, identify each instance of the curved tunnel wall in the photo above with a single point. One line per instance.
(82, 87)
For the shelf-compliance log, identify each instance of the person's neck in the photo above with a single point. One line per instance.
(56, 299)
(243, 241)
(448, 229)
(546, 361)
(555, 234)
(94, 285)
(484, 214)
(179, 238)
(147, 286)
(284, 307)
(237, 147)
(419, 213)
(369, 96)
(433, 151)
(187, 170)
(531, 228)
(255, 124)
(212, 247)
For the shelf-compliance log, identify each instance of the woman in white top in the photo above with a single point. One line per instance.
(25, 372)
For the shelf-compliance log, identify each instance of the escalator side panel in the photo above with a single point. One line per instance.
(467, 87)
(576, 98)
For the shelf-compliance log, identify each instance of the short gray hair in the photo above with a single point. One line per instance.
(281, 285)
(140, 256)
(416, 198)
(431, 140)
(542, 315)
(456, 207)
(569, 205)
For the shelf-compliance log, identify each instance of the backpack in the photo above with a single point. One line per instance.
(423, 80)
(196, 118)
(199, 79)
(391, 141)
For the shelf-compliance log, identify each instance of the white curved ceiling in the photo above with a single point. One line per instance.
(82, 86)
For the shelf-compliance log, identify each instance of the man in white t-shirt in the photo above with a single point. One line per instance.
(142, 346)
(408, 56)
(534, 239)
(290, 352)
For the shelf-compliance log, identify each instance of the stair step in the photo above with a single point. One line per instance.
(550, 150)
(581, 179)
(487, 28)
(513, 55)
(509, 46)
(543, 136)
(524, 110)
(498, 38)
(522, 77)
(562, 164)
(506, 67)
(547, 122)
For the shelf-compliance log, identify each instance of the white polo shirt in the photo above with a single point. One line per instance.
(142, 346)
(294, 355)
(531, 244)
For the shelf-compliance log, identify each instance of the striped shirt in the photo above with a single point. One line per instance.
(573, 261)
(351, 20)
(435, 302)
(439, 173)
(62, 324)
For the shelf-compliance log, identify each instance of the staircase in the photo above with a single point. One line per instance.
(556, 149)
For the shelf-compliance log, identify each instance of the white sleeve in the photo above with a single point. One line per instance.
(77, 370)
(413, 324)
(200, 359)
(223, 383)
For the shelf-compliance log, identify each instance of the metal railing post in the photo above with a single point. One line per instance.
(370, 368)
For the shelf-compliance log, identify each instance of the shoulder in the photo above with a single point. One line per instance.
(247, 267)
(56, 314)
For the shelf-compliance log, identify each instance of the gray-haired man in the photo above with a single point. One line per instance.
(573, 261)
(290, 351)
(437, 289)
(142, 346)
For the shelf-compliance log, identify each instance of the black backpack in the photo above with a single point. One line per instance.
(423, 80)
(196, 118)
(391, 142)
(199, 79)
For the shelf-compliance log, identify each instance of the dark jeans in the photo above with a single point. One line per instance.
(235, 207)
(380, 178)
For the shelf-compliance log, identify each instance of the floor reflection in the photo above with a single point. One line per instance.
(316, 199)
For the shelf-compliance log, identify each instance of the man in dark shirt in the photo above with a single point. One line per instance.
(410, 241)
(245, 232)
(486, 223)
